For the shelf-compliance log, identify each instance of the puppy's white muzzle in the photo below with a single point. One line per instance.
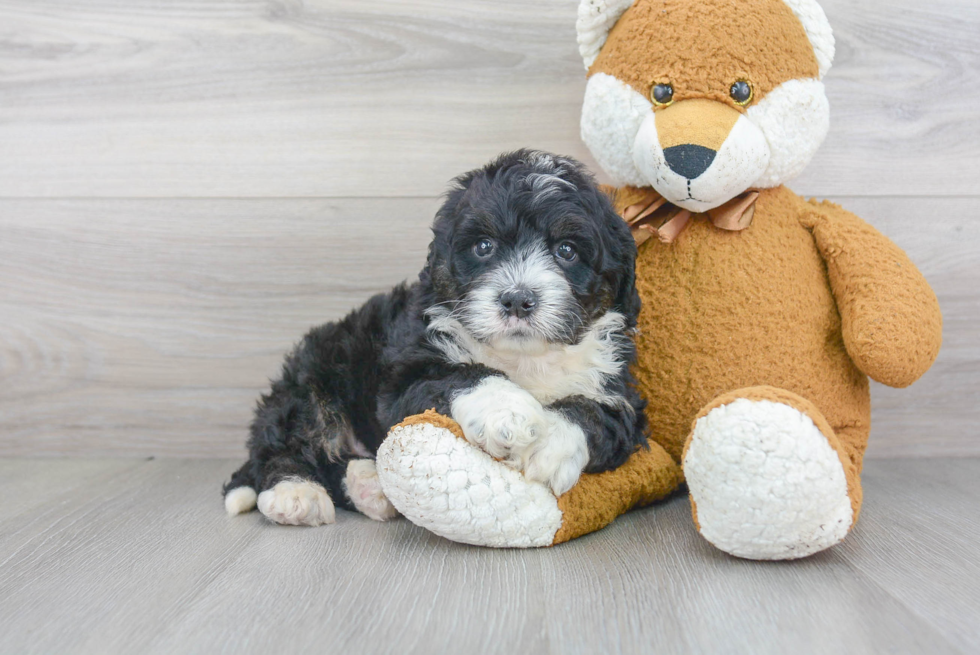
(533, 269)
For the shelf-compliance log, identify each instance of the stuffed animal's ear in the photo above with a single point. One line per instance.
(817, 28)
(595, 19)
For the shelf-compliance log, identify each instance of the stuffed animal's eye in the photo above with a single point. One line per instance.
(741, 92)
(566, 252)
(662, 94)
(483, 248)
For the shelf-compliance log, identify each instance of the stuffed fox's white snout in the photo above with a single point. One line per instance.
(699, 154)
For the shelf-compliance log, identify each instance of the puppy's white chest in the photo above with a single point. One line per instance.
(559, 372)
(547, 372)
(547, 377)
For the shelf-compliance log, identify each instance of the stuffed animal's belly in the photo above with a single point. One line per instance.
(723, 310)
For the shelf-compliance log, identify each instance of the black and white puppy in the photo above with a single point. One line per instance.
(518, 327)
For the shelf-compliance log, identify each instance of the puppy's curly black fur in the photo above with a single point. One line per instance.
(530, 224)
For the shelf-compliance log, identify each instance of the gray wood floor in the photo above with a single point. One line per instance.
(103, 556)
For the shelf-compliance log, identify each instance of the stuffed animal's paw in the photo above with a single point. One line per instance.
(442, 483)
(765, 482)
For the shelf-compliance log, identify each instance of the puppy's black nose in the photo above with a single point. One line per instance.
(689, 160)
(518, 302)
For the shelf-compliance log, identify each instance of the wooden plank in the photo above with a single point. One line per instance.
(163, 319)
(149, 327)
(62, 478)
(338, 98)
(130, 548)
(920, 543)
(149, 563)
(938, 415)
(653, 583)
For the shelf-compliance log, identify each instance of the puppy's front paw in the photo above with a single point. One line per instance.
(501, 418)
(558, 459)
(297, 502)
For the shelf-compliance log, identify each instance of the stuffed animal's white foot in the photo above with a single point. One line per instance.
(297, 502)
(364, 490)
(452, 488)
(766, 482)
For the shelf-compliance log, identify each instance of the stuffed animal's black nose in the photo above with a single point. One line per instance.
(518, 302)
(689, 160)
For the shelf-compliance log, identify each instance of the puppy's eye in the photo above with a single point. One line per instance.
(566, 252)
(483, 248)
(662, 94)
(741, 93)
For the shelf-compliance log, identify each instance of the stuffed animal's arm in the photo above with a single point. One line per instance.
(890, 318)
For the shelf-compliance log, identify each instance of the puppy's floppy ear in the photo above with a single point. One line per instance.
(627, 297)
(436, 273)
(620, 251)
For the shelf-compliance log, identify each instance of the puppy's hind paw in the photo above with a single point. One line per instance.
(364, 490)
(240, 500)
(297, 502)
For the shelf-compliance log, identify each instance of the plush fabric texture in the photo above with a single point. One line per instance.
(794, 118)
(595, 19)
(754, 346)
(766, 480)
(808, 301)
(818, 30)
(410, 466)
(434, 418)
(852, 471)
(891, 323)
(724, 311)
(648, 476)
(702, 48)
(742, 159)
(444, 484)
(797, 309)
(612, 115)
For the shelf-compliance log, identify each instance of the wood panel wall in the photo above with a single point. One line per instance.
(185, 187)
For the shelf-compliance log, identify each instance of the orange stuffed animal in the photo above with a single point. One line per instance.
(763, 314)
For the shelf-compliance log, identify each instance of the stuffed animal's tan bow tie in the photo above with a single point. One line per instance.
(652, 216)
